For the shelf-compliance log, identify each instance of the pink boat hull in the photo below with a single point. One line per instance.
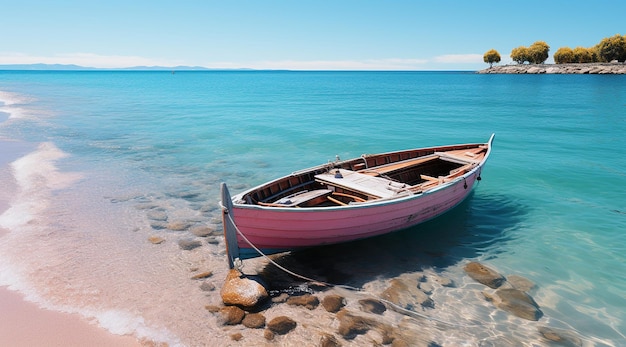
(291, 229)
(278, 229)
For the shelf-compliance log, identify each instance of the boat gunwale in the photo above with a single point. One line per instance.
(400, 198)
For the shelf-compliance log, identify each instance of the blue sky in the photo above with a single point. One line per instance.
(299, 35)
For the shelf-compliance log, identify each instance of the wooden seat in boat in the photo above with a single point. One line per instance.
(298, 198)
(375, 187)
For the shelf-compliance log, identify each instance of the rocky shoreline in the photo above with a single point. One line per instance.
(583, 68)
(248, 305)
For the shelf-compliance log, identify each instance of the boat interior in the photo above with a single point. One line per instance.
(369, 178)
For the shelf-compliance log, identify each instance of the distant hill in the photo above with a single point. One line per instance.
(71, 67)
(43, 67)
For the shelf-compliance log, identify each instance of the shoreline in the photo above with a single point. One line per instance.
(572, 68)
(24, 323)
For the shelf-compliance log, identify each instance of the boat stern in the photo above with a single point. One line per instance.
(229, 227)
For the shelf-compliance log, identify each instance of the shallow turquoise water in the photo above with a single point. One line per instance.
(550, 207)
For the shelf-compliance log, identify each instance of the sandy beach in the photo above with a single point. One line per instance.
(24, 323)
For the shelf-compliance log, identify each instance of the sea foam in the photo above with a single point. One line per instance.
(36, 175)
(124, 323)
(12, 104)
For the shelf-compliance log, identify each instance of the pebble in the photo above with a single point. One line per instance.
(521, 283)
(351, 325)
(178, 225)
(484, 275)
(281, 325)
(333, 303)
(516, 302)
(253, 321)
(188, 245)
(372, 306)
(406, 295)
(156, 239)
(202, 275)
(307, 300)
(231, 315)
(562, 337)
(202, 231)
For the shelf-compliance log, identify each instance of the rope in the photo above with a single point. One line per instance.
(394, 306)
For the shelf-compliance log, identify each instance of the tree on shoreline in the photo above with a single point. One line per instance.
(585, 55)
(613, 48)
(563, 55)
(520, 55)
(609, 49)
(537, 53)
(566, 55)
(491, 56)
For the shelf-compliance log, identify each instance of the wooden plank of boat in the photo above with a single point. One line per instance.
(384, 169)
(464, 155)
(375, 187)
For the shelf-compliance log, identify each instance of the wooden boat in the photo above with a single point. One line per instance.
(350, 199)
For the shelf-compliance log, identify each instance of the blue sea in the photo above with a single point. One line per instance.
(96, 163)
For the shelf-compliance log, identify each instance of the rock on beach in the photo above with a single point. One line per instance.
(333, 303)
(372, 306)
(242, 291)
(485, 275)
(521, 283)
(281, 325)
(406, 294)
(188, 244)
(156, 240)
(202, 231)
(254, 321)
(516, 302)
(561, 337)
(352, 325)
(307, 300)
(231, 315)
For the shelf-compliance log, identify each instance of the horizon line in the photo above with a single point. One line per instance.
(74, 67)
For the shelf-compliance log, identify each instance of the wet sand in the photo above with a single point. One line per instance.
(23, 323)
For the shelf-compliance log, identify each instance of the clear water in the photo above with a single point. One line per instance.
(107, 149)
